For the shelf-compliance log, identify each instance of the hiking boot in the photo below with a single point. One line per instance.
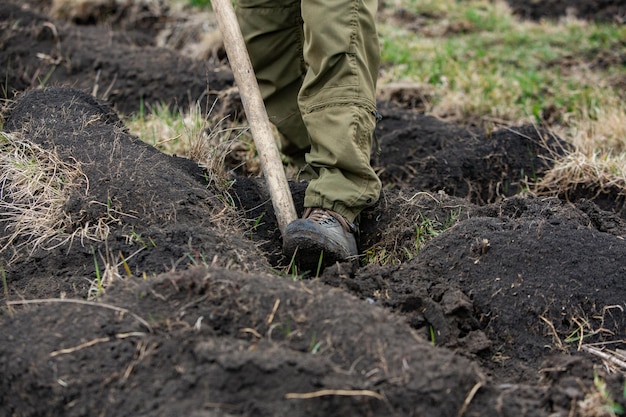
(319, 236)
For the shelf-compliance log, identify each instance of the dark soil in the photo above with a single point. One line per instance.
(123, 68)
(484, 320)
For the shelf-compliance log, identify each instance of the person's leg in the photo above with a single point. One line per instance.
(338, 103)
(272, 30)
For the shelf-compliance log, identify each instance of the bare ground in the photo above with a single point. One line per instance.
(487, 319)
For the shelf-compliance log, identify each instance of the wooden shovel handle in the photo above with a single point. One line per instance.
(255, 113)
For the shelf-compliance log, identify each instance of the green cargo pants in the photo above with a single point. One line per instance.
(316, 62)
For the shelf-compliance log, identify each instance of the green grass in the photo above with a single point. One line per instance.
(168, 130)
(97, 287)
(500, 68)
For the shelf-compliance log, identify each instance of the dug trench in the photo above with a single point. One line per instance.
(498, 313)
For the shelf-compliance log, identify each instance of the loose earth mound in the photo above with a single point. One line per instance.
(133, 284)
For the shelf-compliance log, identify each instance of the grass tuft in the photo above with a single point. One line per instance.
(34, 186)
(193, 134)
(421, 217)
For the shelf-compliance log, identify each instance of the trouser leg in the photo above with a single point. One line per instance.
(337, 101)
(272, 30)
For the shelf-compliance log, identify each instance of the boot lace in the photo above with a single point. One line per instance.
(325, 216)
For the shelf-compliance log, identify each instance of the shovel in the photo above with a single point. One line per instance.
(255, 113)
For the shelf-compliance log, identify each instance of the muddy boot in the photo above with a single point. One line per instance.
(321, 238)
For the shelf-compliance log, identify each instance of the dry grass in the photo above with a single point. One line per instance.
(599, 158)
(192, 134)
(35, 185)
(98, 305)
(602, 173)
